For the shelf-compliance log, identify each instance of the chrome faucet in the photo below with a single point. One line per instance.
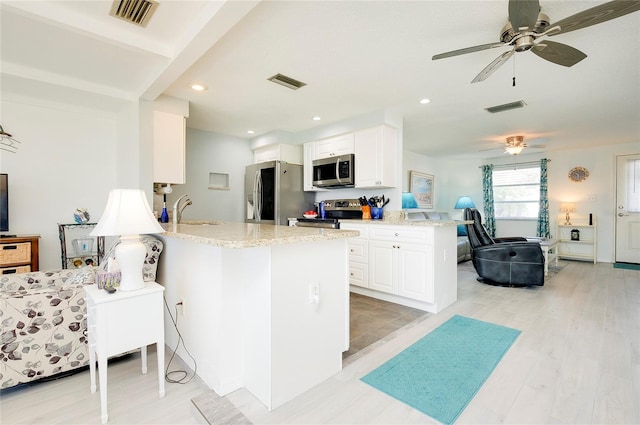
(177, 208)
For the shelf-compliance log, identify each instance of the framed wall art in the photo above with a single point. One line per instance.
(421, 185)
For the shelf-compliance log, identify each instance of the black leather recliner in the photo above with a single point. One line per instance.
(503, 261)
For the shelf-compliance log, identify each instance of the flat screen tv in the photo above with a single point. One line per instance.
(4, 203)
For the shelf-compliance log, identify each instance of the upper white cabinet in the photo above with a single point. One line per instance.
(334, 146)
(169, 145)
(280, 152)
(376, 151)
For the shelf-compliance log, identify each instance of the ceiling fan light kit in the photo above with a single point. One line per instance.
(515, 145)
(526, 24)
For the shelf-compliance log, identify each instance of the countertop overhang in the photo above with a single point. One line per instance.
(248, 235)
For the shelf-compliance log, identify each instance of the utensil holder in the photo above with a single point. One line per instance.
(376, 213)
(366, 212)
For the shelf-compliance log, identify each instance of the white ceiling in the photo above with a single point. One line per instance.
(357, 57)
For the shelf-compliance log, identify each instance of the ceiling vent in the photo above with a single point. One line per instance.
(506, 106)
(289, 82)
(137, 12)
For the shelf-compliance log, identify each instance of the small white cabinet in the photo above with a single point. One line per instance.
(358, 255)
(278, 152)
(169, 146)
(121, 322)
(582, 248)
(376, 152)
(334, 146)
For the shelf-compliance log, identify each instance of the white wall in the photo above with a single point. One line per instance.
(463, 177)
(66, 160)
(212, 152)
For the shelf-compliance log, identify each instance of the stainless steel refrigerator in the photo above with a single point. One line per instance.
(274, 192)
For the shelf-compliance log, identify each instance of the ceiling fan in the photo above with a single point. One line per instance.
(514, 145)
(526, 24)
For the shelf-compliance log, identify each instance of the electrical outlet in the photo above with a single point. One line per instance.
(180, 306)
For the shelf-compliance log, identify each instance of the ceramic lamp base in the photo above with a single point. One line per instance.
(130, 254)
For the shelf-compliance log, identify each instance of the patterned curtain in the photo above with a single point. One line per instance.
(543, 210)
(487, 190)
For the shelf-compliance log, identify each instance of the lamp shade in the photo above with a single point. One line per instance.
(567, 207)
(408, 200)
(127, 213)
(464, 202)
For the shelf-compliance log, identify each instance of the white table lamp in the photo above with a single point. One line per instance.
(128, 215)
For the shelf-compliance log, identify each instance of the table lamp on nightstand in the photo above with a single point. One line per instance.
(128, 215)
(567, 207)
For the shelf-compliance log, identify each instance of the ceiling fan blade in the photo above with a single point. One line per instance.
(595, 15)
(523, 13)
(490, 69)
(558, 53)
(467, 50)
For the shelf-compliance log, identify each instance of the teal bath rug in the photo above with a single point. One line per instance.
(442, 372)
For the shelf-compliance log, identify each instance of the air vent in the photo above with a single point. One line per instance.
(137, 12)
(506, 106)
(289, 82)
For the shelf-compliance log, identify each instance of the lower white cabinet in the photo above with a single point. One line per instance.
(402, 268)
(410, 265)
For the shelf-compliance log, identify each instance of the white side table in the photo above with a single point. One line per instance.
(121, 322)
(546, 246)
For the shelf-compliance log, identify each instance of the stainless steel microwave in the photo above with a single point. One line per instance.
(336, 171)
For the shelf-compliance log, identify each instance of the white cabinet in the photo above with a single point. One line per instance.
(279, 152)
(358, 255)
(398, 265)
(334, 146)
(376, 152)
(169, 136)
(409, 265)
(582, 248)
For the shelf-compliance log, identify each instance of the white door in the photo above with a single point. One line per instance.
(628, 208)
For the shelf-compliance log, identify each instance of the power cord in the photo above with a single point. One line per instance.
(184, 373)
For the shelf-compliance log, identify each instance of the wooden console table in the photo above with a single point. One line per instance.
(19, 254)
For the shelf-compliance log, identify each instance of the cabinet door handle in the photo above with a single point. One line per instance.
(10, 247)
(9, 271)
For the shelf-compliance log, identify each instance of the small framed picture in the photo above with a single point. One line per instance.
(421, 185)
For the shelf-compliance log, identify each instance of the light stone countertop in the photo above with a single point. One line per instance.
(396, 218)
(248, 235)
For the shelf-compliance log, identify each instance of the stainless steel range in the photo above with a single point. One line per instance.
(343, 209)
(335, 210)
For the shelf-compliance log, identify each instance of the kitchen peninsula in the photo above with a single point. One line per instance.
(263, 307)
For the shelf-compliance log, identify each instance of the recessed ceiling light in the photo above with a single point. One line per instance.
(317, 118)
(424, 101)
(198, 87)
(251, 132)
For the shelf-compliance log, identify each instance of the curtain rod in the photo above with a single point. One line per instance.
(515, 164)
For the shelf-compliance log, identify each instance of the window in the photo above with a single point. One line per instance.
(516, 193)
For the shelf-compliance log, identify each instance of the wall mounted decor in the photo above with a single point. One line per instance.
(421, 185)
(578, 174)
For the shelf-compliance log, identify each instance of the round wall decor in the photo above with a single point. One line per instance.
(578, 174)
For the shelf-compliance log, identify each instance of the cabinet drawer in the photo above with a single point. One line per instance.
(12, 253)
(402, 234)
(359, 274)
(14, 270)
(358, 251)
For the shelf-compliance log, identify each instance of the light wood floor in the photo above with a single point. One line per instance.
(577, 361)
